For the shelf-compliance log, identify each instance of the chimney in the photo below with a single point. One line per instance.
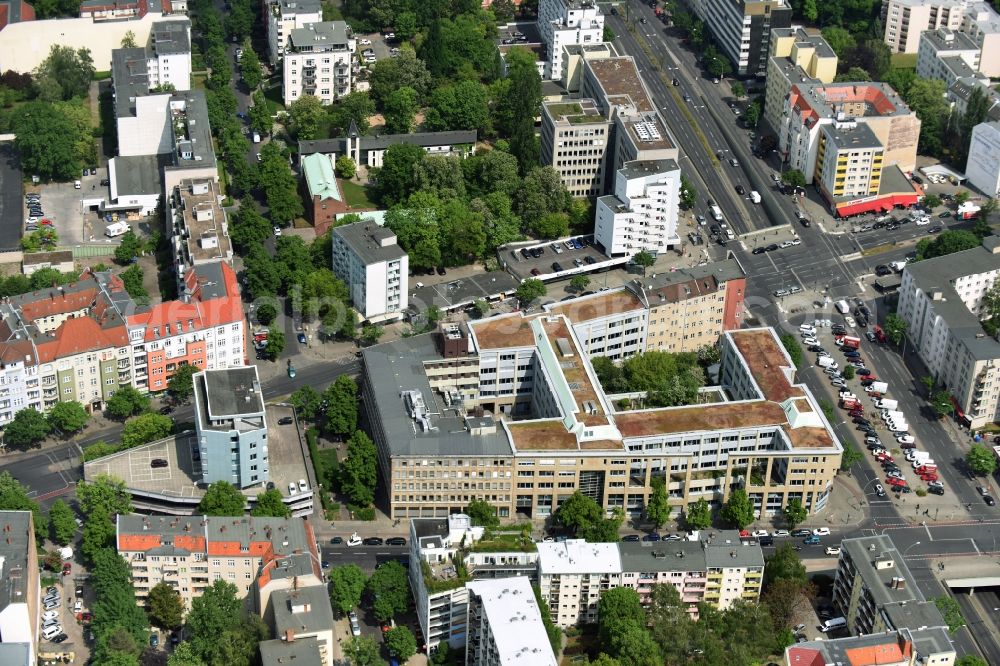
(289, 635)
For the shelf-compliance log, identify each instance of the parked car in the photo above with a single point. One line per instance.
(373, 541)
(286, 420)
(812, 541)
(395, 541)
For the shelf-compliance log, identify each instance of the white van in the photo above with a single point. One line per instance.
(807, 328)
(755, 196)
(716, 213)
(48, 633)
(835, 623)
(842, 307)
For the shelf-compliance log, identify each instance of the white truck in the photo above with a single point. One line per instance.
(716, 213)
(894, 415)
(878, 387)
(886, 403)
(919, 455)
(116, 229)
(897, 265)
(825, 362)
(755, 196)
(842, 307)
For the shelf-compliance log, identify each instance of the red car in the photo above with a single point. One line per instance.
(893, 481)
(929, 477)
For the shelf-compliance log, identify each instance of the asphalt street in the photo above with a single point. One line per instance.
(365, 557)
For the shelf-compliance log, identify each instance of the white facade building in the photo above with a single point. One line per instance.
(982, 23)
(947, 56)
(905, 20)
(375, 269)
(318, 62)
(642, 213)
(565, 22)
(20, 595)
(505, 625)
(983, 167)
(168, 57)
(573, 574)
(284, 16)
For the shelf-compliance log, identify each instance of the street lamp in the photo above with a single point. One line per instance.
(907, 549)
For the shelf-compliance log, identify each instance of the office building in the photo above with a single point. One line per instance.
(198, 230)
(806, 144)
(904, 647)
(368, 151)
(742, 29)
(948, 56)
(565, 22)
(796, 54)
(875, 591)
(575, 137)
(326, 200)
(905, 20)
(941, 300)
(284, 16)
(511, 403)
(641, 215)
(374, 268)
(20, 596)
(982, 170)
(191, 552)
(981, 22)
(317, 62)
(231, 428)
(505, 625)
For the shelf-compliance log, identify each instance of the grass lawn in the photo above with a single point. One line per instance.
(904, 60)
(275, 102)
(580, 648)
(357, 195)
(198, 81)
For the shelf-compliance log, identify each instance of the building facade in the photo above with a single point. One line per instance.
(641, 216)
(742, 29)
(982, 23)
(574, 141)
(326, 201)
(198, 226)
(905, 20)
(192, 552)
(573, 574)
(168, 56)
(983, 167)
(941, 300)
(284, 16)
(369, 150)
(565, 22)
(375, 269)
(904, 647)
(848, 161)
(317, 62)
(947, 55)
(796, 54)
(20, 596)
(231, 427)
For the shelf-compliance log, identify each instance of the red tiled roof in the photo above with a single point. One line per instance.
(257, 548)
(57, 303)
(137, 542)
(875, 655)
(203, 314)
(80, 334)
(798, 656)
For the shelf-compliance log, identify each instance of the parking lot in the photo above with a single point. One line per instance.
(67, 587)
(381, 46)
(540, 260)
(62, 203)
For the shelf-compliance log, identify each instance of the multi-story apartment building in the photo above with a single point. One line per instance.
(875, 591)
(983, 167)
(301, 652)
(963, 90)
(317, 62)
(641, 215)
(982, 23)
(565, 22)
(505, 625)
(284, 574)
(303, 613)
(796, 54)
(510, 410)
(618, 90)
(904, 647)
(948, 56)
(284, 16)
(168, 57)
(197, 226)
(20, 598)
(575, 137)
(905, 20)
(648, 314)
(742, 29)
(230, 426)
(375, 269)
(848, 161)
(191, 552)
(573, 574)
(810, 107)
(941, 300)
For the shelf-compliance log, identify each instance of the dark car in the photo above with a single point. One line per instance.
(557, 267)
(60, 638)
(373, 541)
(302, 338)
(945, 215)
(336, 541)
(863, 371)
(852, 354)
(157, 462)
(590, 260)
(325, 564)
(166, 409)
(154, 640)
(525, 253)
(395, 541)
(651, 537)
(286, 420)
(882, 270)
(917, 179)
(535, 272)
(878, 225)
(759, 250)
(630, 537)
(934, 230)
(441, 270)
(105, 182)
(801, 532)
(740, 190)
(815, 348)
(772, 247)
(989, 500)
(935, 490)
(676, 82)
(766, 541)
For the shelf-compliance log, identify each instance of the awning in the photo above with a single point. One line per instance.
(875, 204)
(958, 411)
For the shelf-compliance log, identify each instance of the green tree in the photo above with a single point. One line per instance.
(839, 39)
(181, 384)
(361, 651)
(347, 583)
(738, 511)
(46, 141)
(942, 404)
(27, 428)
(784, 564)
(396, 178)
(270, 503)
(132, 277)
(184, 655)
(895, 328)
(793, 177)
(644, 259)
(222, 499)
(578, 513)
(619, 605)
(306, 115)
(541, 192)
(795, 513)
(370, 334)
(462, 106)
(165, 607)
(259, 115)
(482, 307)
(932, 200)
(551, 225)
(961, 197)
(871, 55)
(529, 290)
(275, 344)
(579, 283)
(737, 89)
(213, 614)
(970, 660)
(62, 522)
(927, 99)
(68, 417)
(359, 471)
(346, 168)
(482, 513)
(105, 494)
(401, 643)
(390, 588)
(400, 108)
(45, 238)
(14, 497)
(248, 228)
(751, 116)
(146, 428)
(848, 372)
(951, 612)
(128, 41)
(341, 399)
(127, 402)
(250, 67)
(792, 346)
(689, 193)
(405, 70)
(129, 247)
(357, 107)
(524, 102)
(66, 73)
(266, 312)
(658, 509)
(980, 460)
(276, 179)
(306, 401)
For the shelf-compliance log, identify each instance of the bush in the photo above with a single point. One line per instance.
(921, 492)
(362, 512)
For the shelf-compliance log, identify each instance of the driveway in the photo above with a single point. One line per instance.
(63, 204)
(11, 198)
